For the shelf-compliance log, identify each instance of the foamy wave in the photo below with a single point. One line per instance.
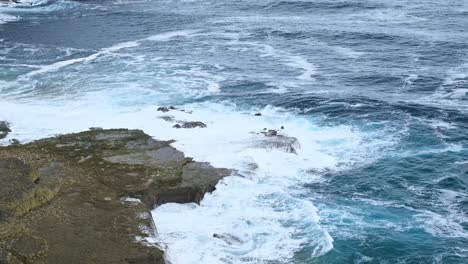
(291, 60)
(243, 221)
(5, 18)
(117, 47)
(31, 3)
(457, 75)
(256, 217)
(169, 35)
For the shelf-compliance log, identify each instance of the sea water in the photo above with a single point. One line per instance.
(375, 92)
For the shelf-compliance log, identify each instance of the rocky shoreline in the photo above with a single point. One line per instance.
(86, 197)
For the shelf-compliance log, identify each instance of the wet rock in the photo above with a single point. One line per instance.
(283, 143)
(4, 129)
(274, 140)
(282, 127)
(166, 109)
(190, 124)
(61, 198)
(258, 114)
(167, 118)
(229, 239)
(270, 133)
(163, 109)
(14, 141)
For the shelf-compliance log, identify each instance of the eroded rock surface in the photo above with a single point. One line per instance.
(66, 199)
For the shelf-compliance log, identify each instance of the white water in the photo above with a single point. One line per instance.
(257, 211)
(257, 208)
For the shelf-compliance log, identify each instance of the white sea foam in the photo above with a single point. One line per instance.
(257, 216)
(5, 18)
(166, 36)
(292, 60)
(60, 64)
(386, 16)
(348, 52)
(30, 3)
(109, 50)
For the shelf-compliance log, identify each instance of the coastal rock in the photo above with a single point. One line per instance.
(14, 141)
(166, 109)
(229, 239)
(274, 140)
(65, 199)
(190, 124)
(4, 129)
(270, 133)
(167, 118)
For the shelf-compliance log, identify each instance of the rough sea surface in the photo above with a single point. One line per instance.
(376, 92)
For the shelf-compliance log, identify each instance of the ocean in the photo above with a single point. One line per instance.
(375, 93)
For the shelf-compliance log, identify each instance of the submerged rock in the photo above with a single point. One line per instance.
(166, 109)
(229, 239)
(283, 143)
(64, 198)
(167, 118)
(270, 133)
(4, 129)
(190, 124)
(274, 140)
(14, 141)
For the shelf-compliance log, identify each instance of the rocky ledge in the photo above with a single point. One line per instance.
(86, 197)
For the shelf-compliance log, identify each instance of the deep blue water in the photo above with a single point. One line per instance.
(387, 80)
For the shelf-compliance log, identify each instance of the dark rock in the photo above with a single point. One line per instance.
(4, 129)
(282, 127)
(165, 109)
(62, 199)
(167, 118)
(191, 124)
(258, 114)
(14, 141)
(270, 133)
(283, 143)
(228, 238)
(95, 128)
(276, 141)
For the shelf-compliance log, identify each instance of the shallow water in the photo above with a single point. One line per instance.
(376, 92)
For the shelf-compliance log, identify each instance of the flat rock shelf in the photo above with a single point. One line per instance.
(86, 197)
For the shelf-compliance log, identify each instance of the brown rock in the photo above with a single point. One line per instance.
(62, 200)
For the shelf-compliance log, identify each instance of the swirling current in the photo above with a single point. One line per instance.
(375, 92)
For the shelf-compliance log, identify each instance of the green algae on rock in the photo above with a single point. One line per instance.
(66, 199)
